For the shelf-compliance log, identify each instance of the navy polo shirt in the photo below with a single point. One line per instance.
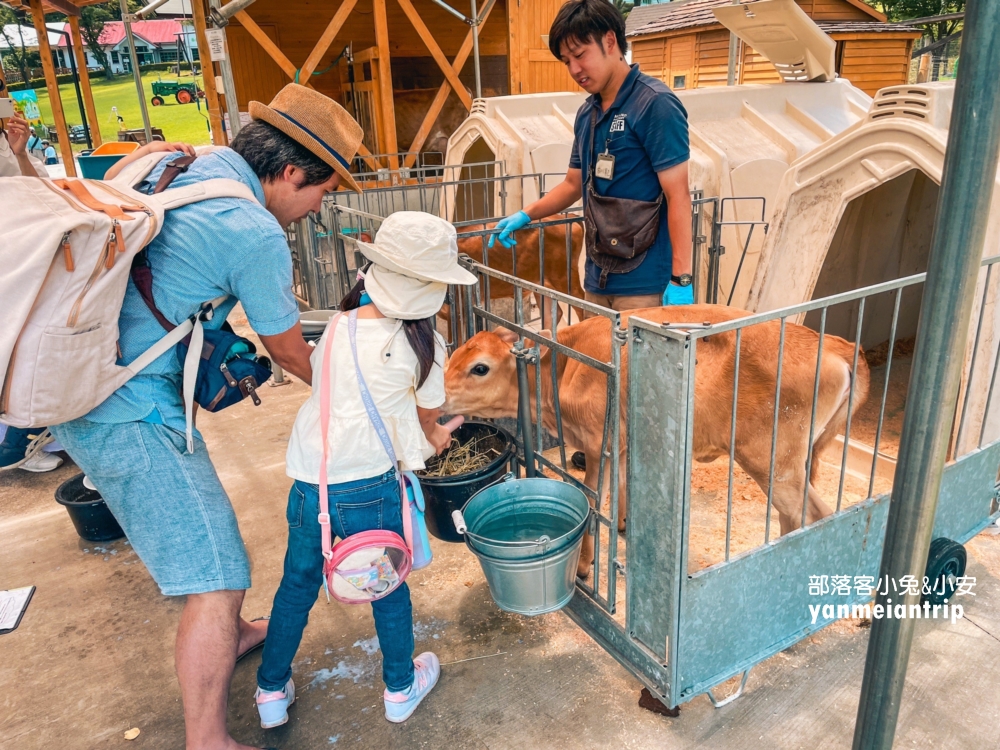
(646, 130)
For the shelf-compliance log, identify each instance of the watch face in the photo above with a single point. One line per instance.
(684, 279)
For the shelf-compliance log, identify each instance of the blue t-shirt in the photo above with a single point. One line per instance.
(646, 130)
(50, 152)
(205, 250)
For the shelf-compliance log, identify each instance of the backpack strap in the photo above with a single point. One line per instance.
(80, 192)
(170, 172)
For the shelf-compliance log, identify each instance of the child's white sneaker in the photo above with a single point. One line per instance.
(273, 706)
(400, 706)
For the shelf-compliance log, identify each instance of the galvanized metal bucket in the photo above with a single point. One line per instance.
(527, 534)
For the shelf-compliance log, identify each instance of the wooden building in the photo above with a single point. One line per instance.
(71, 8)
(683, 44)
(412, 77)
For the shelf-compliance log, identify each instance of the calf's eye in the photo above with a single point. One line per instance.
(480, 370)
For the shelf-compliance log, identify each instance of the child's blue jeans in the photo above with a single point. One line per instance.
(361, 505)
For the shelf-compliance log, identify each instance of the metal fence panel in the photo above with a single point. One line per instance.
(661, 387)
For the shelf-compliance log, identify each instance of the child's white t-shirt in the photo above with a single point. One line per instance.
(391, 370)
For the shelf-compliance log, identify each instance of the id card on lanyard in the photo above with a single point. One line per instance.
(605, 167)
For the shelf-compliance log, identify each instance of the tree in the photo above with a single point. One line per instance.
(92, 20)
(901, 10)
(623, 7)
(22, 58)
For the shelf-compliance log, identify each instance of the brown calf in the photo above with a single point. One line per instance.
(527, 254)
(480, 380)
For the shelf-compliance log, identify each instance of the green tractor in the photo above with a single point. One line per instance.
(184, 93)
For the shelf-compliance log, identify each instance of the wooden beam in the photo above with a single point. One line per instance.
(442, 95)
(63, 6)
(332, 29)
(52, 84)
(432, 46)
(385, 81)
(268, 44)
(208, 75)
(88, 95)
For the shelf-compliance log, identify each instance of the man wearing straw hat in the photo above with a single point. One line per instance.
(170, 503)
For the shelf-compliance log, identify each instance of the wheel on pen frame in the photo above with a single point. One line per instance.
(945, 564)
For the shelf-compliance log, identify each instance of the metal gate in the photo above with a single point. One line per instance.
(687, 630)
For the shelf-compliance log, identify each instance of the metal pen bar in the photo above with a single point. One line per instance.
(554, 345)
(732, 441)
(968, 175)
(972, 366)
(539, 428)
(566, 476)
(523, 396)
(774, 433)
(850, 402)
(590, 307)
(885, 390)
(553, 357)
(834, 299)
(619, 338)
(136, 73)
(989, 398)
(812, 418)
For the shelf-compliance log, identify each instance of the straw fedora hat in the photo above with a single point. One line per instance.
(418, 245)
(318, 123)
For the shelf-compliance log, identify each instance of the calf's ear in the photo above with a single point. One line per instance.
(506, 335)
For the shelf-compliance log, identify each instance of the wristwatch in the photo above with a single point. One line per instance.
(684, 279)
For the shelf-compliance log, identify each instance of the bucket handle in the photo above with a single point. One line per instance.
(459, 521)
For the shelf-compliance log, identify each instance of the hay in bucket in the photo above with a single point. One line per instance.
(463, 458)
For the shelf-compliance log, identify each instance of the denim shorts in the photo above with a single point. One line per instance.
(171, 504)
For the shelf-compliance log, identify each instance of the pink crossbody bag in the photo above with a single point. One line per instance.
(372, 564)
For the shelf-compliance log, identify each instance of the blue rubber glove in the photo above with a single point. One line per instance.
(506, 228)
(679, 295)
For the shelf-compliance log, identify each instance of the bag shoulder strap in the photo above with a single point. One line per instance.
(379, 424)
(324, 426)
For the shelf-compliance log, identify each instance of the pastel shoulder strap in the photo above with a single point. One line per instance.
(380, 428)
(324, 427)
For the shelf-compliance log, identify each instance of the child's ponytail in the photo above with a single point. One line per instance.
(419, 333)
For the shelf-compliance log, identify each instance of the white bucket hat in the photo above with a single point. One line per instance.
(415, 258)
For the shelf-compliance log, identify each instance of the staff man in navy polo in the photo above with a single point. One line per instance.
(643, 126)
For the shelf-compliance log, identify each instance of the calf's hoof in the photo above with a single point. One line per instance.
(583, 570)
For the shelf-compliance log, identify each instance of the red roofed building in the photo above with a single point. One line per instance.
(156, 41)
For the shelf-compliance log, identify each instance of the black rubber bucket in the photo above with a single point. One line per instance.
(443, 495)
(90, 515)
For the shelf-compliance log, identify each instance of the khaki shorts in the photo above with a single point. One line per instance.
(623, 302)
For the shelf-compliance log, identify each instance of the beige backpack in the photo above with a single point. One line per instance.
(66, 249)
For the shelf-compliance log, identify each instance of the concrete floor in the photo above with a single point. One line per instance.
(93, 656)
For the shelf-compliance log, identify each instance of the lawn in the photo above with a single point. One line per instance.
(180, 122)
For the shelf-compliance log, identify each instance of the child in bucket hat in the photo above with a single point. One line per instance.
(414, 259)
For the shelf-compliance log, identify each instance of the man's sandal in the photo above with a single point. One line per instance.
(255, 647)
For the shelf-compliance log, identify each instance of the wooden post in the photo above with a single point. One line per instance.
(208, 75)
(269, 46)
(442, 95)
(312, 62)
(88, 95)
(385, 81)
(432, 46)
(52, 84)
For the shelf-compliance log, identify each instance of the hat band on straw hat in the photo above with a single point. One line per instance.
(319, 140)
